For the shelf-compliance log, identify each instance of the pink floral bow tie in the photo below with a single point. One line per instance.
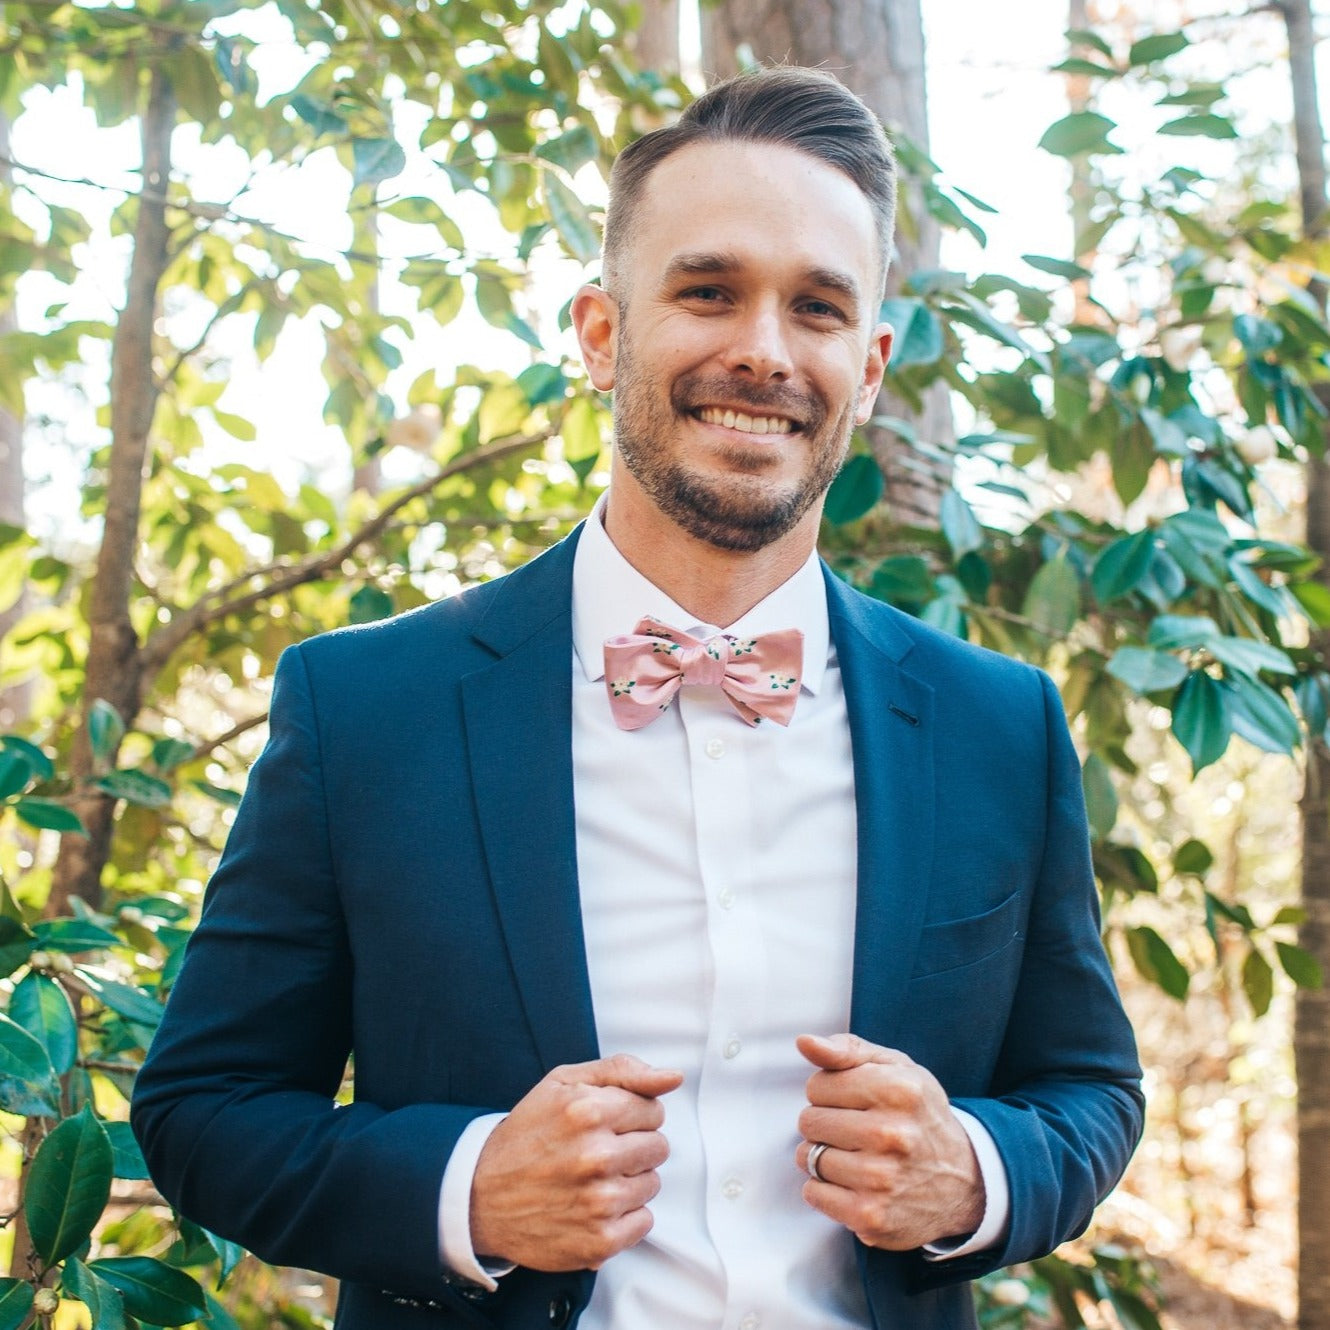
(646, 668)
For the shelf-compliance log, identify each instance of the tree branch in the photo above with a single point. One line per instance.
(236, 730)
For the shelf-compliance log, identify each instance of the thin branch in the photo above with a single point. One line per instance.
(210, 608)
(236, 730)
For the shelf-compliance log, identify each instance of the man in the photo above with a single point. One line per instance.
(798, 1025)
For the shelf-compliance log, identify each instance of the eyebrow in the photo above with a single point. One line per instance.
(707, 264)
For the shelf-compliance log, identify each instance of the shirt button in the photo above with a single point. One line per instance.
(750, 1321)
(725, 898)
(715, 748)
(732, 1046)
(732, 1189)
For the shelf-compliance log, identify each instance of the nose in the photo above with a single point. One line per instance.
(760, 347)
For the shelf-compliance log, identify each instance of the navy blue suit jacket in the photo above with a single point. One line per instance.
(401, 885)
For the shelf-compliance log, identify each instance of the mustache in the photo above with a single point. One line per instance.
(694, 391)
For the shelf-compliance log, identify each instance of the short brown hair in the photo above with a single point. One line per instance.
(797, 108)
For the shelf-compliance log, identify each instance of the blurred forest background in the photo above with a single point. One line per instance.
(1106, 459)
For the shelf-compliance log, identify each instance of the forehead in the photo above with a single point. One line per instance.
(773, 208)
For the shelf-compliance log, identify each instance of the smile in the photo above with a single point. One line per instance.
(744, 423)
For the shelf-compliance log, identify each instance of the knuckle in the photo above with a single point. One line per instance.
(583, 1111)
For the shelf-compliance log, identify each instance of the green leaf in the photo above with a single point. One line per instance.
(960, 526)
(1193, 856)
(1089, 37)
(1289, 914)
(27, 1079)
(903, 579)
(15, 773)
(918, 330)
(135, 786)
(126, 1155)
(1156, 962)
(104, 1303)
(105, 730)
(1088, 68)
(16, 944)
(1315, 601)
(69, 1184)
(376, 160)
(1082, 131)
(369, 604)
(228, 798)
(40, 1006)
(1300, 966)
(167, 754)
(571, 219)
(48, 815)
(131, 1003)
(42, 766)
(1256, 334)
(1182, 630)
(152, 1290)
(572, 150)
(1201, 719)
(1203, 125)
(857, 487)
(1073, 272)
(1158, 46)
(542, 383)
(1053, 601)
(1248, 656)
(15, 1303)
(1101, 799)
(1145, 670)
(1258, 982)
(1261, 716)
(1121, 567)
(72, 935)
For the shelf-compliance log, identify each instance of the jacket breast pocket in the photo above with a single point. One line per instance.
(952, 943)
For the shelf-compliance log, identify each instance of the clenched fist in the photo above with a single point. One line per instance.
(564, 1181)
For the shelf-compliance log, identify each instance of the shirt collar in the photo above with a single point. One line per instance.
(610, 596)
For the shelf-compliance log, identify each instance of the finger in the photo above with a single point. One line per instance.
(623, 1071)
(840, 1052)
(899, 1088)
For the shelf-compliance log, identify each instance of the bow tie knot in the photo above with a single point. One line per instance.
(645, 669)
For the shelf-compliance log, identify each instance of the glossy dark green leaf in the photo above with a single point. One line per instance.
(543, 383)
(167, 754)
(1256, 334)
(1157, 46)
(105, 730)
(1193, 856)
(918, 330)
(153, 1291)
(1073, 272)
(1147, 670)
(104, 1302)
(1155, 961)
(1120, 567)
(15, 1303)
(68, 1186)
(1089, 37)
(1300, 966)
(1082, 131)
(1101, 799)
(1261, 715)
(376, 160)
(1248, 656)
(903, 579)
(127, 1158)
(1053, 600)
(571, 219)
(48, 815)
(27, 1079)
(42, 766)
(857, 487)
(131, 1003)
(16, 944)
(72, 935)
(369, 603)
(960, 526)
(137, 787)
(572, 150)
(1313, 693)
(1086, 68)
(1201, 719)
(40, 1006)
(1182, 630)
(1258, 982)
(15, 773)
(1202, 125)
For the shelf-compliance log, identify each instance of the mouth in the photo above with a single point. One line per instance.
(744, 422)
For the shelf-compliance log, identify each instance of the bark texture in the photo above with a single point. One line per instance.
(1311, 1030)
(876, 47)
(656, 41)
(114, 671)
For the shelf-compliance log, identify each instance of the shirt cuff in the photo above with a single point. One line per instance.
(455, 1207)
(997, 1196)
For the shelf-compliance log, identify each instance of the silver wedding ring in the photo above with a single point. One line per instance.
(814, 1155)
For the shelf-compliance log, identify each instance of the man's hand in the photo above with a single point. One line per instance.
(563, 1182)
(899, 1171)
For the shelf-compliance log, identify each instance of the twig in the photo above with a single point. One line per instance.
(236, 730)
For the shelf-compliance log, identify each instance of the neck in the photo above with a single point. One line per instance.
(715, 586)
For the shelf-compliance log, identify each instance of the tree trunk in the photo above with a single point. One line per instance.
(114, 670)
(656, 41)
(1311, 1028)
(877, 48)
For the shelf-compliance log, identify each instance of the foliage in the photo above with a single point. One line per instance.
(1112, 1278)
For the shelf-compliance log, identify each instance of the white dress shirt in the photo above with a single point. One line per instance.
(716, 866)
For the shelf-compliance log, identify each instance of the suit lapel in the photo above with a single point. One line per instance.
(891, 728)
(519, 743)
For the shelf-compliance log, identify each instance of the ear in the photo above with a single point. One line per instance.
(595, 315)
(879, 353)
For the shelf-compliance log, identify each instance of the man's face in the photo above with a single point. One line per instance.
(745, 344)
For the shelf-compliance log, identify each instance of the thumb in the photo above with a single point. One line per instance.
(625, 1072)
(840, 1052)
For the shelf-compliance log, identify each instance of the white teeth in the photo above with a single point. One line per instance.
(745, 424)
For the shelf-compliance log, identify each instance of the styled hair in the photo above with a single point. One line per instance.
(787, 105)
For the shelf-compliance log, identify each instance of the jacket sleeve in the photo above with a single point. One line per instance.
(234, 1107)
(1066, 1108)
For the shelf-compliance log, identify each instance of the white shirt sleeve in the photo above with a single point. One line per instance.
(455, 1207)
(997, 1195)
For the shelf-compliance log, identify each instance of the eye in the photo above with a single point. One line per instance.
(821, 309)
(704, 295)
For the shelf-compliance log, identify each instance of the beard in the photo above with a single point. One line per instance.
(740, 510)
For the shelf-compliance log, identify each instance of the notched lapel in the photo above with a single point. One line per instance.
(891, 727)
(519, 743)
